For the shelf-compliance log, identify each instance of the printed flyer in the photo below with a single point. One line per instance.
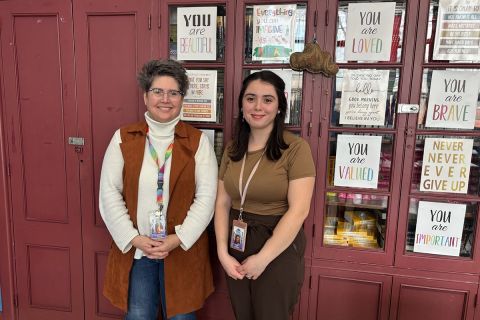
(364, 97)
(452, 102)
(357, 161)
(273, 32)
(200, 101)
(369, 31)
(439, 228)
(196, 33)
(457, 36)
(446, 165)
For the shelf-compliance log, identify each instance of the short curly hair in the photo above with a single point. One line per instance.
(158, 68)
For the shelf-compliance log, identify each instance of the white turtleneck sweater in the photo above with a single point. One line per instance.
(112, 206)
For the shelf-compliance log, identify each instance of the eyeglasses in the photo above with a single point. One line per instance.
(171, 94)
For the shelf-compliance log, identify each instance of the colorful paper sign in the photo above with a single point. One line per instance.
(357, 161)
(369, 31)
(446, 165)
(452, 102)
(457, 36)
(439, 228)
(200, 101)
(273, 31)
(364, 97)
(197, 33)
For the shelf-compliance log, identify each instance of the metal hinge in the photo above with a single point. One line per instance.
(310, 283)
(149, 22)
(326, 18)
(309, 132)
(315, 19)
(313, 231)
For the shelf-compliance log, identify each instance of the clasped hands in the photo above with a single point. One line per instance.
(250, 268)
(156, 249)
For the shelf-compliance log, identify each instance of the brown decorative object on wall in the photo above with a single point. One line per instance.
(314, 60)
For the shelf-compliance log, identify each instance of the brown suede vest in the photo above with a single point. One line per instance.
(188, 274)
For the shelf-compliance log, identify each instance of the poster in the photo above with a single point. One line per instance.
(364, 97)
(439, 228)
(453, 99)
(197, 33)
(369, 31)
(457, 37)
(446, 165)
(200, 101)
(286, 75)
(357, 161)
(273, 31)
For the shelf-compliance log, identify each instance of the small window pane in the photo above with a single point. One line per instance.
(426, 85)
(219, 96)
(221, 33)
(355, 220)
(299, 34)
(397, 36)
(384, 173)
(468, 234)
(390, 104)
(457, 34)
(473, 179)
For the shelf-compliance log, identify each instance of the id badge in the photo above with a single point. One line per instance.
(239, 235)
(158, 225)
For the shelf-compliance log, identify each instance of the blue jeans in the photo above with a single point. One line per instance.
(147, 286)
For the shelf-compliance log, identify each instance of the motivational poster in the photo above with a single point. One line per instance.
(364, 97)
(286, 75)
(369, 31)
(457, 36)
(439, 228)
(200, 101)
(453, 99)
(357, 161)
(273, 31)
(197, 33)
(446, 165)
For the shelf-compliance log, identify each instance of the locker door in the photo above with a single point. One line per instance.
(40, 116)
(112, 41)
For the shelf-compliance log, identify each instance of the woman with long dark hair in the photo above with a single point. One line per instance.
(265, 186)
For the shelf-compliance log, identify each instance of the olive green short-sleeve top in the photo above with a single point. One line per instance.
(268, 189)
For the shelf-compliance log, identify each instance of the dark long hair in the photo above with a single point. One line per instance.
(275, 143)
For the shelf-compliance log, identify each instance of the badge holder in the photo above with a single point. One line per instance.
(239, 234)
(158, 225)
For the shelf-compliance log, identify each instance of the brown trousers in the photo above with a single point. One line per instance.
(274, 294)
